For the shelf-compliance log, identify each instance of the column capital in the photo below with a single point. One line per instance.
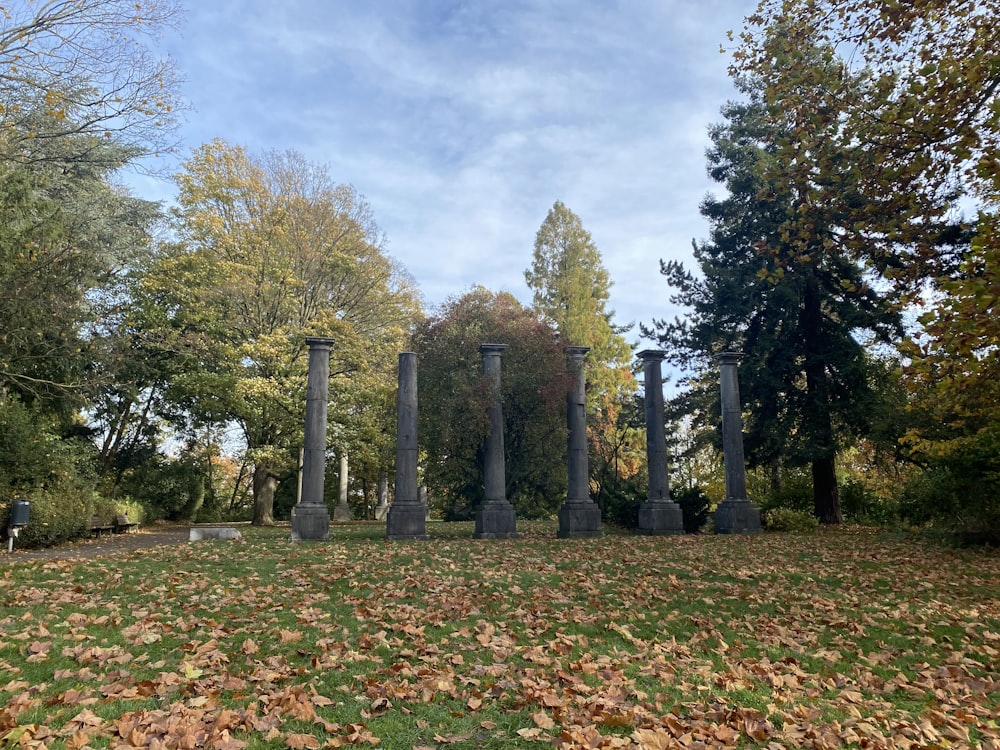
(576, 352)
(492, 348)
(319, 342)
(729, 357)
(651, 355)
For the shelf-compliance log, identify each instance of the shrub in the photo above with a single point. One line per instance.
(132, 509)
(860, 504)
(786, 519)
(795, 493)
(620, 505)
(695, 505)
(52, 472)
(168, 487)
(959, 492)
(56, 516)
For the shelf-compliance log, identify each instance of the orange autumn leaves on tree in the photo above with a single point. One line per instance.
(910, 91)
(92, 67)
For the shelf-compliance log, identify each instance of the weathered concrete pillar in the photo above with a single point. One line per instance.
(310, 516)
(298, 489)
(342, 511)
(425, 501)
(382, 507)
(405, 518)
(495, 518)
(736, 514)
(579, 515)
(659, 514)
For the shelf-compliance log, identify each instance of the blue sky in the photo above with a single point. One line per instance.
(463, 121)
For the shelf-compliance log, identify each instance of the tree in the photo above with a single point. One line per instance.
(571, 289)
(85, 68)
(66, 239)
(796, 311)
(921, 135)
(454, 397)
(270, 250)
(900, 105)
(82, 95)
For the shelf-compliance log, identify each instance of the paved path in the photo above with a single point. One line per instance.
(106, 544)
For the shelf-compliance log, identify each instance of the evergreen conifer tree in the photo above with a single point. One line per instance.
(799, 314)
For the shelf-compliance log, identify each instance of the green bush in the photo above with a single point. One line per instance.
(620, 506)
(695, 505)
(786, 519)
(63, 514)
(168, 488)
(960, 492)
(795, 492)
(131, 509)
(860, 505)
(56, 516)
(53, 473)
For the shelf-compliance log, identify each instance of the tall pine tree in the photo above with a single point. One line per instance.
(571, 289)
(799, 312)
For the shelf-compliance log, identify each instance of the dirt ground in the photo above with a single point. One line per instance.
(106, 544)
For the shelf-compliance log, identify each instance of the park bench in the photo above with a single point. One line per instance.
(123, 525)
(98, 526)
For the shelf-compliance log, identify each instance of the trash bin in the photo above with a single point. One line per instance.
(19, 512)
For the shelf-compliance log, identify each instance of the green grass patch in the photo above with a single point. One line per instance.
(622, 641)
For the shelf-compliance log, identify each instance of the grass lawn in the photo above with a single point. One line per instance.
(845, 638)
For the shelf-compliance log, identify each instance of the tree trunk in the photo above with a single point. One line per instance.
(826, 498)
(264, 485)
(826, 495)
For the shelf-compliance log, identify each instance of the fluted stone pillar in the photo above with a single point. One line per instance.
(406, 518)
(310, 516)
(659, 514)
(342, 511)
(736, 514)
(495, 518)
(579, 515)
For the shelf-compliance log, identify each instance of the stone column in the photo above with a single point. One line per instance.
(342, 511)
(579, 515)
(406, 518)
(425, 501)
(382, 507)
(495, 518)
(736, 514)
(659, 514)
(298, 489)
(310, 516)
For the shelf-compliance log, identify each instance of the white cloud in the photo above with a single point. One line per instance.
(462, 122)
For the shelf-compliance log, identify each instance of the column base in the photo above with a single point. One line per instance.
(737, 517)
(579, 519)
(496, 520)
(381, 511)
(341, 512)
(659, 517)
(310, 522)
(406, 521)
